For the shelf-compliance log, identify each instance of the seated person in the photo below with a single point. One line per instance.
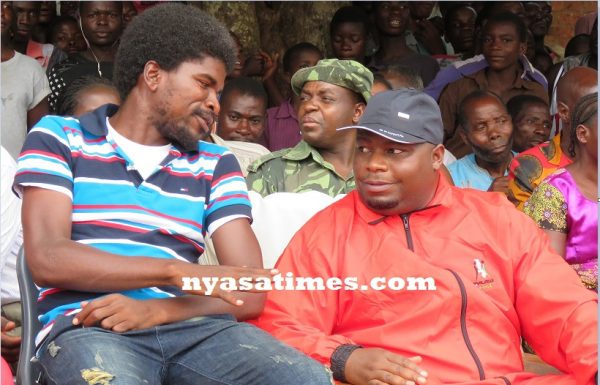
(480, 291)
(242, 120)
(243, 110)
(459, 32)
(401, 76)
(66, 35)
(98, 57)
(542, 62)
(565, 206)
(530, 117)
(532, 166)
(486, 127)
(26, 17)
(380, 84)
(460, 69)
(86, 94)
(392, 20)
(332, 94)
(116, 206)
(349, 34)
(283, 130)
(578, 45)
(504, 41)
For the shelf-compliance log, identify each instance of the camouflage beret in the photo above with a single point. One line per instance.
(344, 73)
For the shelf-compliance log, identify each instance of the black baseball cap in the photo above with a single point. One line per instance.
(404, 116)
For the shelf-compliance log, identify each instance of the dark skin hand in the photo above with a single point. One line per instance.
(428, 34)
(47, 233)
(375, 366)
(500, 185)
(11, 345)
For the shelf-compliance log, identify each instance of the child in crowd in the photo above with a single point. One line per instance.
(86, 94)
(66, 35)
(349, 34)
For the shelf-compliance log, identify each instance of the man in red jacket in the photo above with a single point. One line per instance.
(440, 284)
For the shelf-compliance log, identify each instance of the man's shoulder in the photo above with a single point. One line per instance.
(464, 163)
(268, 161)
(62, 123)
(23, 64)
(460, 87)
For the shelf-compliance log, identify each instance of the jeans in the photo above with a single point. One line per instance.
(208, 351)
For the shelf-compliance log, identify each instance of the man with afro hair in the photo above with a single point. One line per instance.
(116, 206)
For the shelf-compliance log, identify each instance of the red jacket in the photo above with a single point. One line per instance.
(496, 280)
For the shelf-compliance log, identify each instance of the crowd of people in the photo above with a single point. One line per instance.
(442, 140)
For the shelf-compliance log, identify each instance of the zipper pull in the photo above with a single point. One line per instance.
(405, 221)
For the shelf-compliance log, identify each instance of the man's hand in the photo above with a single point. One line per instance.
(116, 312)
(262, 64)
(429, 36)
(11, 345)
(500, 185)
(211, 279)
(374, 366)
(271, 65)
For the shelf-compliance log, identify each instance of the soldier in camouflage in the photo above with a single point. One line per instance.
(333, 94)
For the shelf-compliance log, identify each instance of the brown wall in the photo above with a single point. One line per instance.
(565, 15)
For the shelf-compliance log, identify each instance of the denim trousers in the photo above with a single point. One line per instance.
(211, 350)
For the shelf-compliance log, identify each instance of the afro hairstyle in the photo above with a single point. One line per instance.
(169, 34)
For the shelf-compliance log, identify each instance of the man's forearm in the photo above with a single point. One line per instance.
(176, 309)
(71, 265)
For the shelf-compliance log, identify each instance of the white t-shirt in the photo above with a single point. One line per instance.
(11, 236)
(24, 86)
(145, 158)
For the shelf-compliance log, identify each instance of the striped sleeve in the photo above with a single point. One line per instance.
(228, 198)
(45, 160)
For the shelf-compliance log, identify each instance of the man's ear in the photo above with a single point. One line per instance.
(152, 75)
(359, 109)
(437, 156)
(523, 48)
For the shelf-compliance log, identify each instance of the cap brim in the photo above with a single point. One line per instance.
(405, 139)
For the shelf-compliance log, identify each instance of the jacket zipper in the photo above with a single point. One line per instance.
(463, 308)
(409, 240)
(463, 326)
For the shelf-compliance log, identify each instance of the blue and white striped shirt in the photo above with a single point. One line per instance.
(116, 210)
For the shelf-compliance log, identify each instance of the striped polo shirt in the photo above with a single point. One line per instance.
(116, 210)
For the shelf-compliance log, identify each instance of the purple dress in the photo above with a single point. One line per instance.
(558, 205)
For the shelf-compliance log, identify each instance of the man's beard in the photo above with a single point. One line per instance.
(491, 157)
(376, 204)
(179, 133)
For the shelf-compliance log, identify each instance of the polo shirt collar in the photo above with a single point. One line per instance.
(94, 122)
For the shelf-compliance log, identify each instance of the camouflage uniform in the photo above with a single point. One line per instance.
(302, 168)
(296, 169)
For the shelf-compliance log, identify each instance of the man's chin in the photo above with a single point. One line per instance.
(380, 205)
